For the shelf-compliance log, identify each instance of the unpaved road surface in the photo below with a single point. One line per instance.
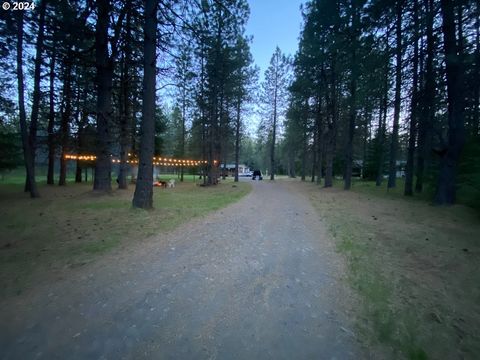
(257, 280)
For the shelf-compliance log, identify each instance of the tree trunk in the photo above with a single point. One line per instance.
(291, 162)
(351, 130)
(125, 117)
(366, 137)
(143, 197)
(81, 133)
(184, 114)
(274, 135)
(27, 152)
(331, 135)
(329, 159)
(353, 100)
(125, 136)
(382, 120)
(51, 120)
(104, 64)
(314, 151)
(78, 169)
(392, 167)
(78, 172)
(32, 138)
(65, 119)
(222, 130)
(303, 173)
(427, 109)
(446, 192)
(320, 147)
(203, 115)
(237, 139)
(318, 143)
(331, 143)
(413, 110)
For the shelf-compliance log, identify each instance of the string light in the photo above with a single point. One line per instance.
(157, 161)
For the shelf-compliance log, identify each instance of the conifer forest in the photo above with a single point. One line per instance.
(251, 179)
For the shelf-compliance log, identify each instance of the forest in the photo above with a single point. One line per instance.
(133, 220)
(87, 77)
(379, 89)
(390, 87)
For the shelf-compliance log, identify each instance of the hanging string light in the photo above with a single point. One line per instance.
(157, 161)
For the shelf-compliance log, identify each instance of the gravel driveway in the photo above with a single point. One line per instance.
(257, 280)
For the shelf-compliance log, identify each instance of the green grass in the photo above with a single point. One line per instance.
(466, 194)
(414, 267)
(17, 176)
(364, 277)
(389, 327)
(70, 226)
(186, 177)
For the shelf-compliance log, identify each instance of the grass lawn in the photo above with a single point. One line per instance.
(70, 226)
(466, 194)
(416, 268)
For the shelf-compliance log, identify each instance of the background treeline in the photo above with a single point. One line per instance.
(75, 73)
(382, 89)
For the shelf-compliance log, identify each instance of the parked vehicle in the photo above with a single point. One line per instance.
(257, 173)
(246, 174)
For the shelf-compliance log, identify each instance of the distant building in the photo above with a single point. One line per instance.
(229, 169)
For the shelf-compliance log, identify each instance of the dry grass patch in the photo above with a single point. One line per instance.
(415, 266)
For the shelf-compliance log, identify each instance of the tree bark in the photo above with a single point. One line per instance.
(303, 169)
(27, 152)
(314, 152)
(392, 167)
(143, 196)
(446, 191)
(382, 120)
(427, 99)
(331, 143)
(332, 127)
(65, 119)
(104, 64)
(317, 144)
(353, 99)
(125, 118)
(274, 130)
(78, 172)
(182, 140)
(51, 119)
(32, 136)
(237, 138)
(222, 133)
(320, 148)
(81, 133)
(413, 109)
(317, 170)
(329, 159)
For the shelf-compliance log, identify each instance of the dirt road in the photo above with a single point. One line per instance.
(257, 280)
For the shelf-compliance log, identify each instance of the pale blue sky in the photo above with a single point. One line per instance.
(272, 23)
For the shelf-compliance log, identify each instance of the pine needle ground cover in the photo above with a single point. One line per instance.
(70, 226)
(414, 266)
